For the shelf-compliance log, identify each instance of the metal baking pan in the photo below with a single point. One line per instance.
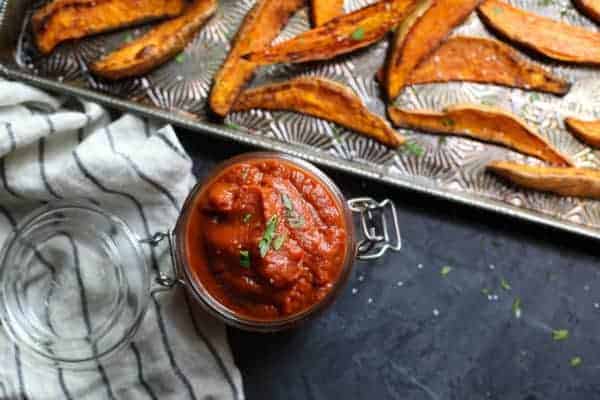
(451, 168)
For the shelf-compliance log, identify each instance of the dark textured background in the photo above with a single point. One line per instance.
(384, 341)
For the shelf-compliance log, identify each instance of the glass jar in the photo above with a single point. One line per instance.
(47, 288)
(74, 285)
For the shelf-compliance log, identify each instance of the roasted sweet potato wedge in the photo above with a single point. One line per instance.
(325, 10)
(157, 46)
(483, 123)
(589, 7)
(412, 44)
(62, 20)
(586, 131)
(260, 26)
(546, 36)
(341, 35)
(475, 59)
(577, 182)
(320, 98)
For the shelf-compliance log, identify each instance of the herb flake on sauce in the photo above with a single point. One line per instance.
(245, 258)
(294, 219)
(265, 243)
(278, 242)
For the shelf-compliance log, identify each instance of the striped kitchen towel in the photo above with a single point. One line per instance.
(59, 149)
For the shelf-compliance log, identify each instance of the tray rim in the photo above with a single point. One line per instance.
(414, 184)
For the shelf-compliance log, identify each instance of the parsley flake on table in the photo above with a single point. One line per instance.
(245, 258)
(575, 362)
(180, 58)
(358, 34)
(265, 243)
(485, 291)
(560, 334)
(247, 218)
(445, 270)
(505, 285)
(516, 307)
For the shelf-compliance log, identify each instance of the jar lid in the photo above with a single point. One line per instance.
(74, 284)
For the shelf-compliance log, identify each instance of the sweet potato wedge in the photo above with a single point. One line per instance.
(341, 35)
(475, 59)
(325, 10)
(591, 8)
(157, 46)
(62, 20)
(482, 123)
(260, 26)
(320, 98)
(586, 131)
(576, 182)
(412, 44)
(546, 36)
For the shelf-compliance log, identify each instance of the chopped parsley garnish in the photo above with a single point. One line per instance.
(296, 222)
(544, 3)
(414, 148)
(505, 285)
(516, 307)
(560, 334)
(265, 243)
(287, 203)
(534, 97)
(245, 171)
(575, 362)
(247, 218)
(448, 122)
(445, 270)
(294, 219)
(180, 58)
(278, 242)
(231, 125)
(245, 258)
(358, 34)
(337, 132)
(129, 37)
(498, 10)
(442, 140)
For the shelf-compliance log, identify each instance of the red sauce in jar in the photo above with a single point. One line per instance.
(266, 239)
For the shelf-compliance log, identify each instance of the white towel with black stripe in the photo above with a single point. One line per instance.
(60, 149)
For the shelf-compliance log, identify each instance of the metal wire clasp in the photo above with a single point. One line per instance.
(163, 279)
(379, 225)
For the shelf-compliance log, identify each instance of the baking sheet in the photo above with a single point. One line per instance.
(450, 167)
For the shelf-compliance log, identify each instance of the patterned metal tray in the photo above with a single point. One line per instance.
(451, 168)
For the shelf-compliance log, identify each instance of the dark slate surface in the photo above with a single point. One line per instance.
(382, 338)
